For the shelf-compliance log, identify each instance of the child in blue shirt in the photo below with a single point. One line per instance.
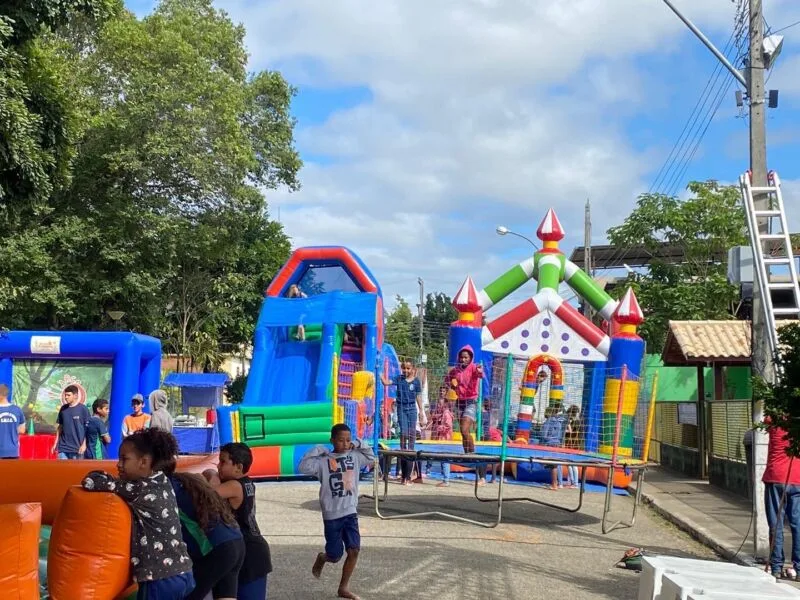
(12, 424)
(338, 472)
(409, 408)
(97, 436)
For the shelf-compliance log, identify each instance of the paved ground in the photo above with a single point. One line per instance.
(536, 552)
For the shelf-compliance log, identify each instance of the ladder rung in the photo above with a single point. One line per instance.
(767, 213)
(764, 190)
(786, 311)
(771, 236)
(781, 286)
(781, 260)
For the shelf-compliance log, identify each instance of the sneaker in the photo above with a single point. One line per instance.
(443, 484)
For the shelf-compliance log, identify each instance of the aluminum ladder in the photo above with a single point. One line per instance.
(780, 243)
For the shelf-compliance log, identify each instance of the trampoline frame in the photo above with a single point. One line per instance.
(475, 459)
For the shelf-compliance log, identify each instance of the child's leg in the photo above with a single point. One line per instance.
(171, 588)
(553, 478)
(445, 474)
(253, 590)
(352, 542)
(301, 333)
(405, 464)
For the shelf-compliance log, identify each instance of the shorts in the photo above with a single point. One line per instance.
(218, 571)
(253, 590)
(407, 420)
(341, 534)
(69, 456)
(170, 588)
(468, 409)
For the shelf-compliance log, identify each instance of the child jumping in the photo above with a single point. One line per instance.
(338, 472)
(233, 484)
(160, 561)
(409, 409)
(464, 379)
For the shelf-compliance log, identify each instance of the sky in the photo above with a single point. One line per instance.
(425, 125)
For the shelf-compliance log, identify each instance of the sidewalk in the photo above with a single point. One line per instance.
(715, 517)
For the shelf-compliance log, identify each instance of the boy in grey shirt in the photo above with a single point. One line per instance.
(338, 472)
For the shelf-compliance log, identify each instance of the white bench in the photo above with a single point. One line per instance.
(680, 587)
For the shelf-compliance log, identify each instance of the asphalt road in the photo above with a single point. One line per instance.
(536, 552)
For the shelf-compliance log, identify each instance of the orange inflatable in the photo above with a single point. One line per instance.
(89, 556)
(19, 550)
(47, 481)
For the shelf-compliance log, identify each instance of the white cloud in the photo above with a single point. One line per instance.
(481, 112)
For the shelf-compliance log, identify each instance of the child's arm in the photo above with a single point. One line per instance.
(311, 463)
(385, 380)
(363, 452)
(100, 481)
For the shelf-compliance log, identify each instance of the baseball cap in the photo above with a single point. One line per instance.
(138, 398)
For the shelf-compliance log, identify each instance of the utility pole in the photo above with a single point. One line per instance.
(761, 360)
(587, 251)
(421, 312)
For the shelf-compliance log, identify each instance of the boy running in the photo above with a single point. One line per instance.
(338, 472)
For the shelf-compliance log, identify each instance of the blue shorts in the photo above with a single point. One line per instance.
(253, 590)
(407, 420)
(341, 534)
(171, 588)
(69, 456)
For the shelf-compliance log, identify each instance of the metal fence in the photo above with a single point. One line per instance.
(728, 421)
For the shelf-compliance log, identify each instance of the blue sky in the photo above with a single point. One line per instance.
(424, 125)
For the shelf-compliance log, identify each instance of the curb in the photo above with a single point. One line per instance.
(698, 532)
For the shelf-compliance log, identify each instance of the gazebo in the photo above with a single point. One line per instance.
(204, 390)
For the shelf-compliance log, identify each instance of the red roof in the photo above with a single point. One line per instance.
(550, 229)
(628, 311)
(466, 299)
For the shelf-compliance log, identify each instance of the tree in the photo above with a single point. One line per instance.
(399, 327)
(782, 399)
(439, 314)
(705, 226)
(164, 216)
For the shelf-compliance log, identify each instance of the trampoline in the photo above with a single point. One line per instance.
(493, 455)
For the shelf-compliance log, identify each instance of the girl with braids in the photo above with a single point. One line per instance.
(160, 561)
(212, 536)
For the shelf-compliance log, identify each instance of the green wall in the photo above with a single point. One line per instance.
(679, 384)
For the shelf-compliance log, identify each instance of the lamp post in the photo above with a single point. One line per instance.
(502, 230)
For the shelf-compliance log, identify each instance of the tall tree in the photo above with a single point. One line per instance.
(164, 217)
(705, 226)
(399, 327)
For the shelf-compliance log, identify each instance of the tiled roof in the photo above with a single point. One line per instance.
(691, 342)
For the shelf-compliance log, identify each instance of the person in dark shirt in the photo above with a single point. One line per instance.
(232, 483)
(409, 409)
(212, 537)
(97, 437)
(161, 564)
(73, 417)
(12, 424)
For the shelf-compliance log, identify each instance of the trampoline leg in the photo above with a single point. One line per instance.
(607, 507)
(581, 491)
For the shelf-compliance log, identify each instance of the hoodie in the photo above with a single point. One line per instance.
(466, 378)
(160, 417)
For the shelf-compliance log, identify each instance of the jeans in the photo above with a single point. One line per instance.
(69, 456)
(445, 472)
(572, 475)
(773, 493)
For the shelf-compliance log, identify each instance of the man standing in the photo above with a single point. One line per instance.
(12, 424)
(73, 418)
(137, 420)
(782, 499)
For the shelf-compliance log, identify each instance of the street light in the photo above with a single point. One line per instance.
(502, 230)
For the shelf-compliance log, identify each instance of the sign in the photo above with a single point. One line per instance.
(45, 344)
(687, 413)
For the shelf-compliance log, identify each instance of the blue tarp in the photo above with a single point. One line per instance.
(333, 307)
(196, 379)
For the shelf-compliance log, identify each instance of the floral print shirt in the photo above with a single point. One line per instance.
(157, 548)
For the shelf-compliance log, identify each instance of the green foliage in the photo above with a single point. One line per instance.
(705, 226)
(236, 389)
(782, 399)
(152, 203)
(402, 328)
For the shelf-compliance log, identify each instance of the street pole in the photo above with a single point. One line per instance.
(421, 308)
(587, 251)
(761, 360)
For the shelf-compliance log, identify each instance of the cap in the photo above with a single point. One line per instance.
(138, 398)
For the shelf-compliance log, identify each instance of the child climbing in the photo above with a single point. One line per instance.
(161, 564)
(464, 379)
(338, 472)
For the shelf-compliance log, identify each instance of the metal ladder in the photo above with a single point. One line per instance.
(762, 260)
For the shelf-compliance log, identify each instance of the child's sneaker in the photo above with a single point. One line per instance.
(790, 573)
